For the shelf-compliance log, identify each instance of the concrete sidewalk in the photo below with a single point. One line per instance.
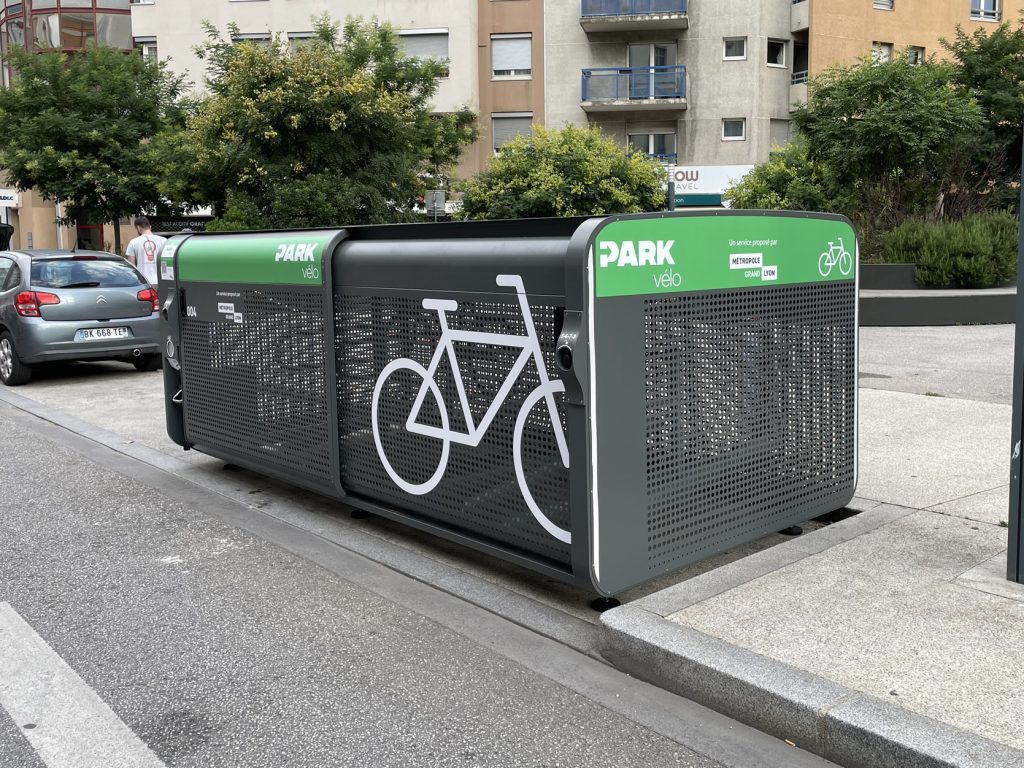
(890, 638)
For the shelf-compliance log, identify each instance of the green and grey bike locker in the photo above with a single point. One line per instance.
(602, 400)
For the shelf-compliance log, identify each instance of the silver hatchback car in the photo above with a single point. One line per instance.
(65, 305)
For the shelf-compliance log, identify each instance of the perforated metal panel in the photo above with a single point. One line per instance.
(750, 412)
(257, 389)
(478, 492)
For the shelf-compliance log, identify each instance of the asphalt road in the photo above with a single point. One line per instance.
(130, 597)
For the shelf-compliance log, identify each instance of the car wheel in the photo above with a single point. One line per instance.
(13, 372)
(148, 362)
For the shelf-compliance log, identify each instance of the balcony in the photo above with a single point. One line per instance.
(800, 16)
(633, 15)
(632, 89)
(798, 90)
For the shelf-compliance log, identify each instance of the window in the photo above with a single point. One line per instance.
(734, 129)
(13, 279)
(777, 53)
(885, 5)
(146, 46)
(426, 44)
(915, 55)
(652, 54)
(299, 40)
(261, 39)
(652, 72)
(779, 133)
(659, 146)
(508, 125)
(985, 10)
(6, 265)
(735, 48)
(881, 52)
(114, 30)
(512, 55)
(69, 273)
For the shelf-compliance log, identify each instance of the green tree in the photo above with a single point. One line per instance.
(990, 68)
(76, 128)
(896, 138)
(568, 172)
(789, 180)
(337, 132)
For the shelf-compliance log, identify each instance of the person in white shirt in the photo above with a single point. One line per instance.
(144, 250)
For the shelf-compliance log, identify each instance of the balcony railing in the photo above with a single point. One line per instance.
(624, 84)
(632, 7)
(800, 77)
(664, 159)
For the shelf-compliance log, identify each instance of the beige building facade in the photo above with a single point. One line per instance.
(843, 31)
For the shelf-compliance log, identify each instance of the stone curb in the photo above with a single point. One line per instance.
(841, 724)
(937, 307)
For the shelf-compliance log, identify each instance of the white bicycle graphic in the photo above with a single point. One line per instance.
(836, 255)
(474, 435)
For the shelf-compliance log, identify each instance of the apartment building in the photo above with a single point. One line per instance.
(708, 87)
(465, 32)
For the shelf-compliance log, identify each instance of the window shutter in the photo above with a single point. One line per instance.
(506, 128)
(511, 53)
(431, 46)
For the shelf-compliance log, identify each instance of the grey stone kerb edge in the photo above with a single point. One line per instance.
(846, 726)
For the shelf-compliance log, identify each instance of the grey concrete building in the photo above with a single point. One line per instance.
(706, 88)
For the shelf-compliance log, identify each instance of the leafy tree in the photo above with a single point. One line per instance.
(990, 68)
(337, 132)
(568, 172)
(789, 180)
(894, 136)
(76, 128)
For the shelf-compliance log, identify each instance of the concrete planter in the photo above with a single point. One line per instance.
(887, 277)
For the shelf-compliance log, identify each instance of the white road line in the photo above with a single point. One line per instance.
(73, 727)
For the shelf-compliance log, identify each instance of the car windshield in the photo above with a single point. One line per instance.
(78, 273)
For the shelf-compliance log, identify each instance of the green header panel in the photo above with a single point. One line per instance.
(272, 258)
(678, 254)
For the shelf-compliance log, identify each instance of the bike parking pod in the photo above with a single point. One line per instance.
(602, 400)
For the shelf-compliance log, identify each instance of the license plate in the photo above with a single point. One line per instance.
(92, 334)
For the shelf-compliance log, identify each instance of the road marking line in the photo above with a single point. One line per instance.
(73, 727)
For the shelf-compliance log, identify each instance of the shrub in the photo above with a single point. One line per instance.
(979, 251)
(569, 172)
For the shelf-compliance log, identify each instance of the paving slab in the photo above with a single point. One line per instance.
(919, 451)
(967, 362)
(992, 506)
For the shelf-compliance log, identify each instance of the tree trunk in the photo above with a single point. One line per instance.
(117, 237)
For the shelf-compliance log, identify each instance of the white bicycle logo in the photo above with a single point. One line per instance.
(836, 255)
(546, 390)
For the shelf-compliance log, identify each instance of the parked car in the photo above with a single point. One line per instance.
(66, 305)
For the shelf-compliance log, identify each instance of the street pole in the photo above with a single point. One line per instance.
(1014, 566)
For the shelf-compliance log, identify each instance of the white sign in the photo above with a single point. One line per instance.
(706, 179)
(745, 260)
(9, 198)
